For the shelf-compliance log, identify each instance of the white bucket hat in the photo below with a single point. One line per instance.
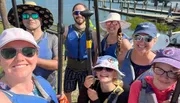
(115, 17)
(108, 61)
(14, 34)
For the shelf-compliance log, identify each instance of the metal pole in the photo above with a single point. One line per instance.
(128, 7)
(176, 7)
(15, 13)
(97, 27)
(89, 4)
(110, 4)
(135, 3)
(176, 92)
(60, 44)
(162, 7)
(87, 15)
(24, 1)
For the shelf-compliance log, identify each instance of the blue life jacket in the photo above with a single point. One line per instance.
(128, 69)
(75, 46)
(111, 50)
(45, 53)
(21, 98)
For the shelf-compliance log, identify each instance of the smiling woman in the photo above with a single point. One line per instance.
(18, 58)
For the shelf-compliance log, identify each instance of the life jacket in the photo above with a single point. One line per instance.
(45, 53)
(43, 86)
(147, 95)
(128, 70)
(111, 50)
(76, 46)
(112, 98)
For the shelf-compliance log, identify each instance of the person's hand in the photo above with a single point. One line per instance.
(167, 101)
(92, 94)
(62, 98)
(89, 80)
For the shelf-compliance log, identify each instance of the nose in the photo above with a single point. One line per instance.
(31, 18)
(19, 56)
(103, 70)
(165, 75)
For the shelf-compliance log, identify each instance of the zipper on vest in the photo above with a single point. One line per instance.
(78, 49)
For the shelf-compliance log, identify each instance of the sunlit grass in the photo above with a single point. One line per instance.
(162, 27)
(1, 27)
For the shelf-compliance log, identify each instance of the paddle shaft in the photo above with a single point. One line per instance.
(176, 92)
(60, 45)
(15, 13)
(97, 27)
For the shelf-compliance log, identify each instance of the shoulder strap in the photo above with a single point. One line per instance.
(8, 94)
(112, 98)
(41, 90)
(146, 97)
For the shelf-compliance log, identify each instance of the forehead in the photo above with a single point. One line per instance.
(165, 67)
(30, 11)
(80, 8)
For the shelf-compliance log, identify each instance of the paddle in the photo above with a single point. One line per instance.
(15, 13)
(87, 14)
(176, 92)
(61, 28)
(97, 27)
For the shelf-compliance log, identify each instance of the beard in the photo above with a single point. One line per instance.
(79, 22)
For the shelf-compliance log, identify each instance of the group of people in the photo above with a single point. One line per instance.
(125, 73)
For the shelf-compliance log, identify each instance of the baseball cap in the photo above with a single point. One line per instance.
(147, 28)
(14, 34)
(108, 61)
(169, 55)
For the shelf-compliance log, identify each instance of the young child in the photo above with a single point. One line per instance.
(108, 87)
(159, 87)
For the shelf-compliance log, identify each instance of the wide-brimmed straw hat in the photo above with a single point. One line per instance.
(44, 13)
(114, 17)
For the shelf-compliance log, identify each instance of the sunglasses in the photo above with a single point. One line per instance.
(101, 68)
(9, 53)
(111, 23)
(76, 12)
(27, 16)
(146, 38)
(169, 74)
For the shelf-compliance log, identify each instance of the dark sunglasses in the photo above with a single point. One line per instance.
(169, 74)
(101, 68)
(76, 12)
(9, 53)
(27, 16)
(146, 38)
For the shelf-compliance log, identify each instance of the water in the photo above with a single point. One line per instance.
(52, 5)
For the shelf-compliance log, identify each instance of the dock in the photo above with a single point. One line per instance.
(143, 10)
(154, 10)
(133, 14)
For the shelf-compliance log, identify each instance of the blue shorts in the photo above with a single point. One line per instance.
(71, 79)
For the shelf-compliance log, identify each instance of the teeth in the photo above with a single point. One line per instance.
(20, 66)
(141, 46)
